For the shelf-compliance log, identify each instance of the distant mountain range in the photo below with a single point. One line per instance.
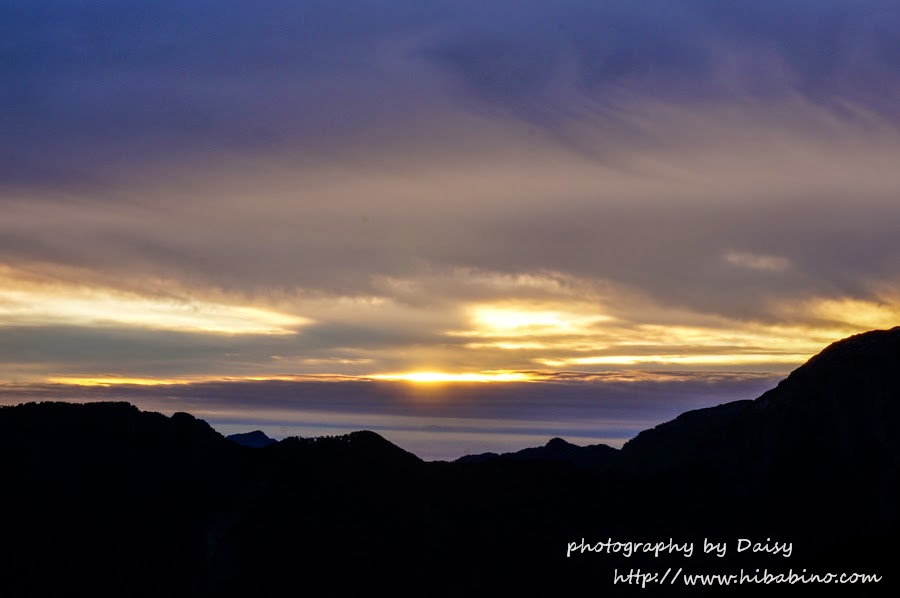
(103, 499)
(254, 439)
(595, 456)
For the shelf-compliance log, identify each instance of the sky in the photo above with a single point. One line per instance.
(468, 225)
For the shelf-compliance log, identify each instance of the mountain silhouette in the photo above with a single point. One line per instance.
(842, 406)
(832, 427)
(107, 500)
(254, 439)
(595, 456)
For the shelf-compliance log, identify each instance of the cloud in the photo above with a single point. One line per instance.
(155, 83)
(766, 263)
(435, 421)
(623, 184)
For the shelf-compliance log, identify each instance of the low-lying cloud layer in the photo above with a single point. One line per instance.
(434, 421)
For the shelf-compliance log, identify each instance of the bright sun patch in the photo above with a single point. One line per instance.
(24, 303)
(514, 321)
(727, 359)
(857, 312)
(440, 377)
(113, 381)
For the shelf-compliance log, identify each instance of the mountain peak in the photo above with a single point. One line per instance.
(558, 443)
(875, 343)
(254, 439)
(840, 409)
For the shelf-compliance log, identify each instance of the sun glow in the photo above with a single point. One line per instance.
(115, 381)
(857, 312)
(24, 302)
(515, 321)
(725, 359)
(441, 377)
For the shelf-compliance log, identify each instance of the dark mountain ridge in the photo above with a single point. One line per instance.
(594, 456)
(832, 427)
(254, 439)
(104, 499)
(842, 404)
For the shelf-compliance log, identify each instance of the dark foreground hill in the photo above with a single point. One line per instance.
(103, 499)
